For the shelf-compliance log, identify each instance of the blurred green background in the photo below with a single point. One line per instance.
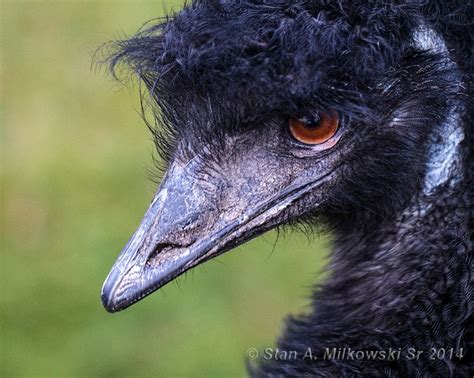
(74, 187)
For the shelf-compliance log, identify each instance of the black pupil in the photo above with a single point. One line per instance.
(311, 122)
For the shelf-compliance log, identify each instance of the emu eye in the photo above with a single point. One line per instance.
(311, 130)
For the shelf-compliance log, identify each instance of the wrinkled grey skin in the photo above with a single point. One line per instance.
(204, 207)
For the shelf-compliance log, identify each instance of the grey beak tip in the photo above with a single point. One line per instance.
(107, 293)
(107, 303)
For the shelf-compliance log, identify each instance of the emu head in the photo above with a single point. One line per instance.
(275, 114)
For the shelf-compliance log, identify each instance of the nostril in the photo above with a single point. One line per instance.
(163, 251)
(160, 247)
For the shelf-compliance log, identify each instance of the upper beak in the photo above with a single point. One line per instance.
(187, 224)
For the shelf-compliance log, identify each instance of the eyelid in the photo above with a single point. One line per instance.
(302, 151)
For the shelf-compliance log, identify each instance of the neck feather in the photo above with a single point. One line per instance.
(421, 256)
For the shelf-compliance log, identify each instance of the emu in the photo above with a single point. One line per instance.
(356, 115)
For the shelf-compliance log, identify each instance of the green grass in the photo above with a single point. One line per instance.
(74, 159)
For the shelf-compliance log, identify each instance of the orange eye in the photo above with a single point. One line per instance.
(314, 131)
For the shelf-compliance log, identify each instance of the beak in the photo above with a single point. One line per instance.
(188, 223)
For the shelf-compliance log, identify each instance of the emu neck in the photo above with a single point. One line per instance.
(422, 253)
(418, 259)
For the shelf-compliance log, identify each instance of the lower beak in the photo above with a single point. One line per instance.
(182, 228)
